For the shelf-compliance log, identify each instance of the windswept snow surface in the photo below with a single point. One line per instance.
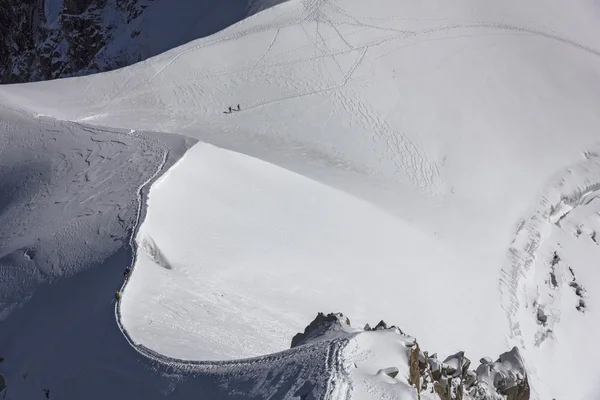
(69, 197)
(245, 264)
(389, 151)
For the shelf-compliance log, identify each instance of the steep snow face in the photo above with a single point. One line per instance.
(70, 194)
(448, 122)
(68, 198)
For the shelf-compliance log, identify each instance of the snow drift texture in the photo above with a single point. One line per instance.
(429, 162)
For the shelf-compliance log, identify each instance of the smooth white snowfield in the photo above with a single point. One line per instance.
(259, 248)
(389, 151)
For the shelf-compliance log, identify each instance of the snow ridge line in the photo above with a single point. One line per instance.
(338, 384)
(141, 208)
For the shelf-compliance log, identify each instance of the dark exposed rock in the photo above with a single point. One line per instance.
(381, 325)
(49, 39)
(553, 279)
(319, 327)
(415, 373)
(77, 6)
(555, 259)
(40, 40)
(541, 316)
(578, 289)
(33, 47)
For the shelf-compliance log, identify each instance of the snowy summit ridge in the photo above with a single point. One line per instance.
(411, 373)
(435, 163)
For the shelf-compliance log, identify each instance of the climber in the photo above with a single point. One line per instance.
(117, 295)
(127, 272)
(238, 108)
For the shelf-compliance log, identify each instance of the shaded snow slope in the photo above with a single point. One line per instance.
(424, 132)
(64, 249)
(68, 197)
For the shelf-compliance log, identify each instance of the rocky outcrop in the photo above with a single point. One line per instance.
(322, 327)
(452, 379)
(47, 39)
(2, 382)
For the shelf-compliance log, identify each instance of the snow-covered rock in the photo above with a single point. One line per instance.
(386, 363)
(49, 39)
(506, 376)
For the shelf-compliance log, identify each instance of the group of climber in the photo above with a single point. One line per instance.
(126, 274)
(230, 110)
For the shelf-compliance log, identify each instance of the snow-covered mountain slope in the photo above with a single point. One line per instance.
(551, 280)
(49, 39)
(231, 243)
(407, 145)
(69, 197)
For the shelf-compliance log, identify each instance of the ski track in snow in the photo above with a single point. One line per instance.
(323, 24)
(407, 155)
(364, 48)
(421, 171)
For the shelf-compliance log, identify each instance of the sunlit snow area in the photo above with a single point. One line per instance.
(435, 164)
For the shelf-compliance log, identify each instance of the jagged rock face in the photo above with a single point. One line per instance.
(505, 379)
(47, 39)
(453, 378)
(321, 328)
